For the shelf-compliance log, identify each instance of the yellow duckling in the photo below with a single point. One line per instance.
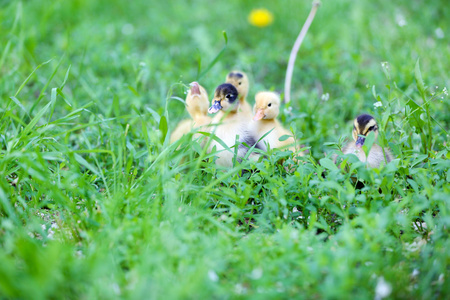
(229, 124)
(377, 155)
(240, 81)
(197, 104)
(267, 107)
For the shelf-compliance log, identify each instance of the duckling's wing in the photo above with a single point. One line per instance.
(250, 140)
(389, 156)
(246, 142)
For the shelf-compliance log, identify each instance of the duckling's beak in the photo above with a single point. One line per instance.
(360, 141)
(195, 88)
(215, 107)
(259, 115)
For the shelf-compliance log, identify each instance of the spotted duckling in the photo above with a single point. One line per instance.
(228, 124)
(378, 156)
(240, 81)
(197, 104)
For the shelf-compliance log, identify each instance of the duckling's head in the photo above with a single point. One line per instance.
(197, 100)
(362, 125)
(225, 98)
(240, 81)
(267, 106)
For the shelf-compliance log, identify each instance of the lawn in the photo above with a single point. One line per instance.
(95, 203)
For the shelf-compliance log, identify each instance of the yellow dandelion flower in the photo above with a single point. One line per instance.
(260, 17)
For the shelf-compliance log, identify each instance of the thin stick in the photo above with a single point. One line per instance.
(298, 43)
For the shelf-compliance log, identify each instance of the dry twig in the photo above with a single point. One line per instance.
(298, 43)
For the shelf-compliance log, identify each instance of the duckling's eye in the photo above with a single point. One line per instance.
(228, 96)
(371, 128)
(240, 83)
(269, 105)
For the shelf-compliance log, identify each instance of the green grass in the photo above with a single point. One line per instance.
(94, 203)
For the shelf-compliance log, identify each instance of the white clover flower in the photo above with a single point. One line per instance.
(383, 289)
(377, 104)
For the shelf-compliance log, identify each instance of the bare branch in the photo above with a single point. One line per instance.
(298, 43)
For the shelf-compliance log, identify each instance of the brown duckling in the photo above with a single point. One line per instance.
(377, 156)
(240, 81)
(197, 104)
(229, 124)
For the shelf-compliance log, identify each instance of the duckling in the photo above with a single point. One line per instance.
(267, 107)
(362, 125)
(197, 106)
(229, 124)
(240, 81)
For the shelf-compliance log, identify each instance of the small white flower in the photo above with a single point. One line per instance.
(415, 273)
(445, 91)
(256, 273)
(377, 104)
(240, 289)
(383, 289)
(400, 20)
(213, 276)
(439, 33)
(416, 245)
(325, 97)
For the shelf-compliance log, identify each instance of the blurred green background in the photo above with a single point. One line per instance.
(150, 46)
